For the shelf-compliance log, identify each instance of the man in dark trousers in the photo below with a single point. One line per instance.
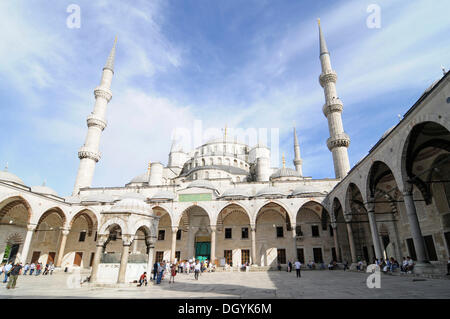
(298, 264)
(155, 270)
(13, 274)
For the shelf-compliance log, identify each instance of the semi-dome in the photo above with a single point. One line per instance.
(44, 190)
(10, 177)
(131, 205)
(102, 198)
(235, 192)
(285, 172)
(202, 184)
(270, 191)
(163, 195)
(143, 178)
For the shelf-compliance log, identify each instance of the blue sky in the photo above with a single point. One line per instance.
(247, 64)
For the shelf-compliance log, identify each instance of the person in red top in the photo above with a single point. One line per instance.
(143, 279)
(173, 273)
(38, 269)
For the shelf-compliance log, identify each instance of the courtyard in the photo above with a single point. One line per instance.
(253, 285)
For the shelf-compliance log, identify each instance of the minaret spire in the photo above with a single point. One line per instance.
(297, 159)
(89, 153)
(332, 109)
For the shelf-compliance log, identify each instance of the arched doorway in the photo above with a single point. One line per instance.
(195, 221)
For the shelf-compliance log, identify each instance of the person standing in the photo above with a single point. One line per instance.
(38, 269)
(6, 270)
(160, 272)
(155, 270)
(173, 273)
(298, 264)
(51, 268)
(197, 270)
(14, 273)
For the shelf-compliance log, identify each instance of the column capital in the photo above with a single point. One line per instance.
(127, 239)
(174, 228)
(65, 231)
(31, 227)
(253, 227)
(213, 227)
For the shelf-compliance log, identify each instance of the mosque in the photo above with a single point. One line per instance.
(224, 202)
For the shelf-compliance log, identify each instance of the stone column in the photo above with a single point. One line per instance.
(124, 259)
(336, 243)
(294, 244)
(374, 229)
(62, 247)
(351, 241)
(253, 230)
(191, 240)
(213, 243)
(174, 243)
(97, 257)
(151, 252)
(414, 226)
(27, 242)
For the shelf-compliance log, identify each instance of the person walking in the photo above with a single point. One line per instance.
(155, 270)
(51, 268)
(160, 272)
(297, 265)
(38, 269)
(13, 274)
(173, 273)
(26, 268)
(45, 270)
(6, 270)
(32, 268)
(196, 270)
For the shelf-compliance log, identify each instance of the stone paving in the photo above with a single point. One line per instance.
(261, 285)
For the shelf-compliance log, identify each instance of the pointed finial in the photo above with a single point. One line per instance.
(443, 69)
(284, 161)
(149, 166)
(323, 44)
(43, 183)
(6, 167)
(112, 55)
(225, 134)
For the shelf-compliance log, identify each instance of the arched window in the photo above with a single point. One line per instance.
(206, 175)
(203, 162)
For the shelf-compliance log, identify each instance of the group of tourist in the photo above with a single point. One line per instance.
(11, 271)
(163, 269)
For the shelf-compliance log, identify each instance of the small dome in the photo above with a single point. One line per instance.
(202, 184)
(72, 199)
(133, 195)
(131, 205)
(10, 177)
(143, 178)
(163, 195)
(102, 198)
(285, 172)
(388, 131)
(306, 188)
(44, 190)
(235, 192)
(270, 191)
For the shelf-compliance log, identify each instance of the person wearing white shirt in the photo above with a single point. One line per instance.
(8, 267)
(297, 265)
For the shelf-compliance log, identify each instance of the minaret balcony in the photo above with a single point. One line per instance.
(334, 105)
(329, 76)
(103, 92)
(85, 152)
(339, 140)
(92, 120)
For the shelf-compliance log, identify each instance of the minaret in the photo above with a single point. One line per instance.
(297, 160)
(89, 153)
(332, 109)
